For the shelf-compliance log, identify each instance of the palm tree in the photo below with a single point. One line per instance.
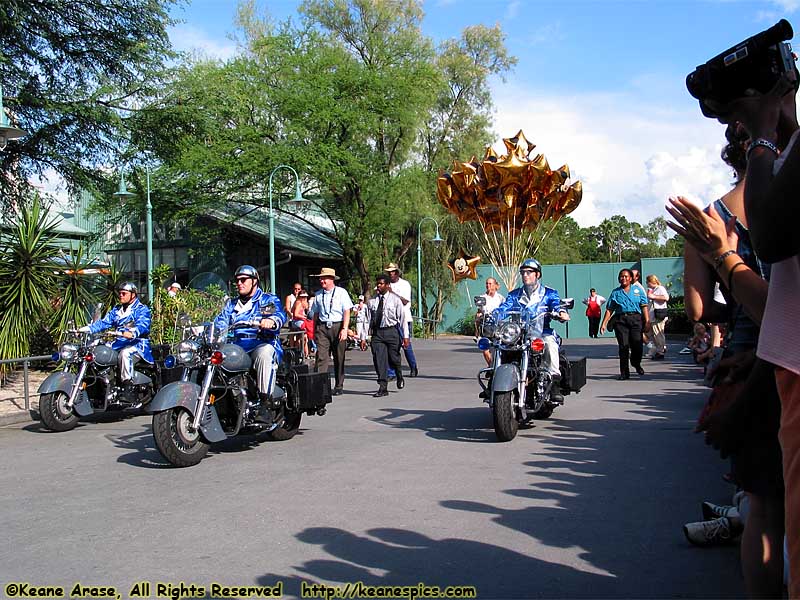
(27, 278)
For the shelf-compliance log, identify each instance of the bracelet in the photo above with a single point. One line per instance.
(721, 258)
(761, 142)
(731, 272)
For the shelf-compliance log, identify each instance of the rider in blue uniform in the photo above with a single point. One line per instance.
(264, 313)
(537, 299)
(131, 319)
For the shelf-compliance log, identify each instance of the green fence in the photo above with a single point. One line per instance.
(571, 281)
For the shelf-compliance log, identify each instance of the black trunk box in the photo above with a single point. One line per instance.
(577, 374)
(313, 390)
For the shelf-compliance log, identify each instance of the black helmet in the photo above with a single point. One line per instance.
(128, 286)
(247, 271)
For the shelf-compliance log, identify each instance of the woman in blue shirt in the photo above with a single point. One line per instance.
(631, 317)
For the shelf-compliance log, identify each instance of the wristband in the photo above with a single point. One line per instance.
(762, 142)
(721, 258)
(731, 272)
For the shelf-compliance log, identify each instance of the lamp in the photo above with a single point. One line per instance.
(298, 198)
(437, 239)
(123, 194)
(7, 131)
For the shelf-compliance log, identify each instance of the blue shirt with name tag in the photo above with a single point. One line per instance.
(621, 302)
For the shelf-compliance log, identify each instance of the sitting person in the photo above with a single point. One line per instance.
(700, 345)
(301, 322)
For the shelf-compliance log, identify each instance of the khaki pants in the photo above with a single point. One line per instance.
(659, 339)
(327, 339)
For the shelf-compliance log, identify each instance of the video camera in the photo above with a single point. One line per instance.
(756, 63)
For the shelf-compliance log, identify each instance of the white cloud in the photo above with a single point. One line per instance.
(186, 38)
(52, 186)
(630, 154)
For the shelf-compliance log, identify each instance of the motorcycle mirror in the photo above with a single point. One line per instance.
(480, 301)
(568, 303)
(98, 312)
(268, 310)
(185, 320)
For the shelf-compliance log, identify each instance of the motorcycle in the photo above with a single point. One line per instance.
(217, 397)
(517, 386)
(88, 382)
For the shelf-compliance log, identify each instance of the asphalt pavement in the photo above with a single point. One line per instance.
(406, 489)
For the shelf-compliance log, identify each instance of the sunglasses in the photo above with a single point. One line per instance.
(242, 279)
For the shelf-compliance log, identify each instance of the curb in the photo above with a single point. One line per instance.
(19, 417)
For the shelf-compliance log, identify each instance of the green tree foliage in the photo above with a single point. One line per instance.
(27, 281)
(78, 292)
(355, 98)
(69, 71)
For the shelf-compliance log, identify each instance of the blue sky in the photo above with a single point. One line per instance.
(599, 85)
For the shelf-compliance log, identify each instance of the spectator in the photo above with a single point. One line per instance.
(493, 300)
(301, 322)
(288, 302)
(772, 210)
(173, 289)
(719, 249)
(658, 296)
(593, 311)
(362, 319)
(700, 344)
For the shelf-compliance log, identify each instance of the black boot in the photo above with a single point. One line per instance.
(263, 414)
(556, 397)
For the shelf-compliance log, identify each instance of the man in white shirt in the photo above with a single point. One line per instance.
(402, 288)
(331, 314)
(493, 300)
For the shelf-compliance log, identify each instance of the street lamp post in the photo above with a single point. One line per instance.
(123, 194)
(298, 198)
(7, 131)
(437, 240)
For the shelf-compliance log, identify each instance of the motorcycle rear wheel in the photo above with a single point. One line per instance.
(544, 412)
(54, 413)
(290, 425)
(505, 421)
(181, 447)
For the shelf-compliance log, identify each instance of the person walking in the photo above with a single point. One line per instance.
(658, 296)
(386, 317)
(402, 288)
(629, 306)
(362, 320)
(593, 311)
(331, 313)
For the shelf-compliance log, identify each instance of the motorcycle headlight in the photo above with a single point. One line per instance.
(67, 351)
(187, 350)
(509, 333)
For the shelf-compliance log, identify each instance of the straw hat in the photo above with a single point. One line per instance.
(327, 272)
(392, 267)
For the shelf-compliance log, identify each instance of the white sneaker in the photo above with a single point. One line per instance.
(714, 511)
(685, 351)
(711, 533)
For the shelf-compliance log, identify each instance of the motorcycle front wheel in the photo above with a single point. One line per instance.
(288, 428)
(505, 421)
(54, 413)
(175, 440)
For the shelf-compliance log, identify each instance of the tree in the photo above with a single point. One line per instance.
(345, 98)
(69, 71)
(27, 280)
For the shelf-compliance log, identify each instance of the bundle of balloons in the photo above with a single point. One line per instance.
(510, 193)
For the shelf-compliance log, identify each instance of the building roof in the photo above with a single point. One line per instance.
(292, 232)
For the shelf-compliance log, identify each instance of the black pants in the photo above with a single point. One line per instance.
(594, 325)
(385, 353)
(327, 340)
(628, 330)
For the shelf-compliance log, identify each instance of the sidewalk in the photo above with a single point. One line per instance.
(12, 397)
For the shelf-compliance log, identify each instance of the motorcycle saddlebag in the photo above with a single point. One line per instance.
(313, 390)
(577, 374)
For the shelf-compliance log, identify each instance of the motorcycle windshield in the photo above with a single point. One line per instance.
(535, 317)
